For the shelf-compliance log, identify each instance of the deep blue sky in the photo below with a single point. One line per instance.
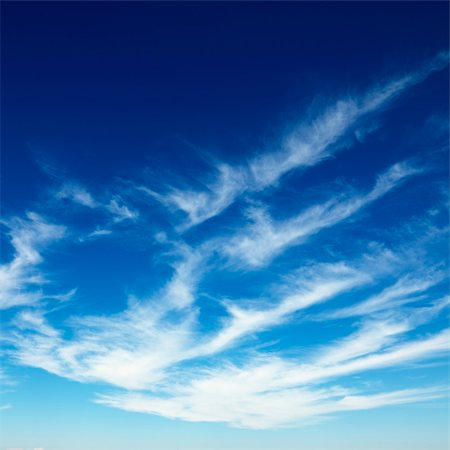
(82, 82)
(224, 225)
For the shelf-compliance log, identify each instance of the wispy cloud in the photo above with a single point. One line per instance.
(97, 232)
(278, 392)
(407, 289)
(267, 409)
(315, 141)
(120, 211)
(270, 391)
(148, 344)
(77, 194)
(147, 347)
(131, 349)
(307, 145)
(219, 194)
(264, 238)
(20, 279)
(315, 285)
(114, 206)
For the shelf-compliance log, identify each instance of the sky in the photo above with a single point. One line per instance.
(224, 226)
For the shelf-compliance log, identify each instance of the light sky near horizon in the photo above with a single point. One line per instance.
(224, 226)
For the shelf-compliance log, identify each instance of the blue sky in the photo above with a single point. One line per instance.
(224, 226)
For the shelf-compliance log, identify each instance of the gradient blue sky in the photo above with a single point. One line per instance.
(224, 226)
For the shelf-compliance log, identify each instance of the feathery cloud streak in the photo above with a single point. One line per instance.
(114, 207)
(162, 332)
(273, 394)
(309, 144)
(264, 239)
(20, 279)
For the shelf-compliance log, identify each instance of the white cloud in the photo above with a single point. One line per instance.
(120, 211)
(260, 410)
(264, 239)
(77, 194)
(115, 206)
(137, 348)
(405, 290)
(276, 392)
(219, 194)
(316, 285)
(131, 349)
(375, 334)
(155, 346)
(307, 145)
(20, 280)
(270, 392)
(313, 142)
(98, 232)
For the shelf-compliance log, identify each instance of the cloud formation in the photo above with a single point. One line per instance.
(145, 349)
(232, 328)
(21, 282)
(307, 145)
(264, 238)
(114, 206)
